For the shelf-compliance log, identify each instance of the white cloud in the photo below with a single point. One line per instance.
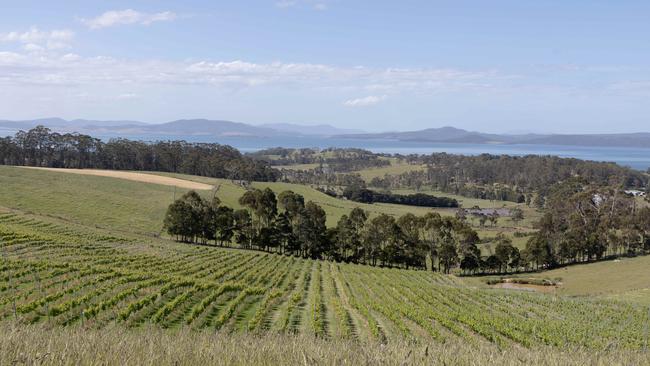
(126, 96)
(33, 47)
(70, 57)
(43, 68)
(36, 40)
(315, 4)
(10, 59)
(365, 101)
(285, 3)
(128, 16)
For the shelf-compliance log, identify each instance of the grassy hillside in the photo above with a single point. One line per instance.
(108, 202)
(71, 275)
(624, 279)
(124, 205)
(229, 192)
(604, 278)
(395, 168)
(80, 261)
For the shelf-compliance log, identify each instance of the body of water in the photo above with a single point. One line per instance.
(637, 158)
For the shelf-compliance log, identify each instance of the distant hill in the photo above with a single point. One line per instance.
(204, 127)
(210, 129)
(176, 129)
(641, 139)
(63, 125)
(318, 130)
(457, 135)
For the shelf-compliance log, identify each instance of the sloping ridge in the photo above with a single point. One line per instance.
(133, 176)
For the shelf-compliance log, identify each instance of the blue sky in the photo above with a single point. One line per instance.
(493, 66)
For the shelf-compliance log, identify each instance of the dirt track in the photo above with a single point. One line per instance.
(138, 177)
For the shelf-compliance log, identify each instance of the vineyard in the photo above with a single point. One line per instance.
(58, 273)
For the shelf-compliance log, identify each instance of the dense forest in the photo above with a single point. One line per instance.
(505, 178)
(44, 148)
(364, 195)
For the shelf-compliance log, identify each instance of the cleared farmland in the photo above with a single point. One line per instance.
(57, 273)
(114, 202)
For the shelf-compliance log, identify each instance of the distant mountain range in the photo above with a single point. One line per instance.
(177, 129)
(456, 135)
(209, 130)
(317, 130)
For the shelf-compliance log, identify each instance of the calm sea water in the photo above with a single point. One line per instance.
(637, 158)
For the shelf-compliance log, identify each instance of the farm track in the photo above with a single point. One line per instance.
(64, 275)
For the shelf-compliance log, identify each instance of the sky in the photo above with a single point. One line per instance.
(492, 66)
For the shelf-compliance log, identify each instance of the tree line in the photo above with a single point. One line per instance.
(494, 177)
(364, 195)
(584, 222)
(506, 177)
(44, 148)
(287, 224)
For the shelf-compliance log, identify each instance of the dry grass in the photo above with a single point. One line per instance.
(42, 345)
(612, 277)
(138, 177)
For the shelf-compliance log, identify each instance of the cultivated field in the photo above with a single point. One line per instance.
(77, 251)
(57, 273)
(112, 202)
(26, 188)
(146, 190)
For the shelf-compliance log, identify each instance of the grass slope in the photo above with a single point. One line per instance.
(603, 278)
(71, 272)
(125, 205)
(396, 168)
(63, 274)
(91, 200)
(229, 192)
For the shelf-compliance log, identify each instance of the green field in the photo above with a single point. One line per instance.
(80, 254)
(111, 203)
(624, 279)
(614, 277)
(395, 168)
(102, 201)
(229, 192)
(65, 274)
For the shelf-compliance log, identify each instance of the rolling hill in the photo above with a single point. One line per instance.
(209, 130)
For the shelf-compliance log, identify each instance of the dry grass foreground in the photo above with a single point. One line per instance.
(138, 177)
(44, 345)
